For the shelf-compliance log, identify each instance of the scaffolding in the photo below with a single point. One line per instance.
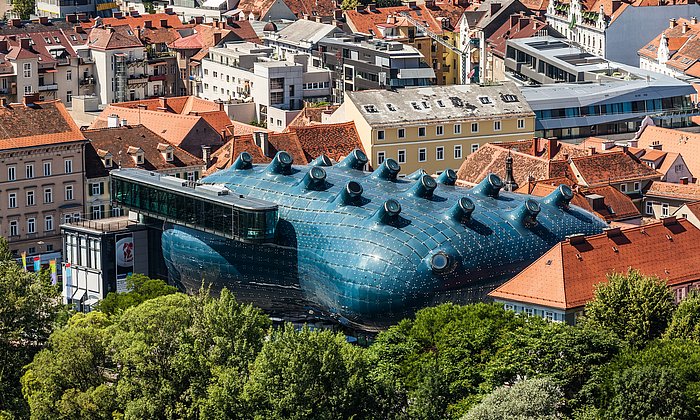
(120, 73)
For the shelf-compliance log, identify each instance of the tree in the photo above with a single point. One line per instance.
(72, 377)
(568, 356)
(310, 374)
(5, 253)
(29, 309)
(23, 8)
(534, 399)
(436, 361)
(685, 322)
(349, 4)
(142, 288)
(634, 307)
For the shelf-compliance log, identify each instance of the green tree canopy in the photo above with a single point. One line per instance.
(685, 322)
(634, 307)
(29, 309)
(310, 374)
(142, 288)
(436, 361)
(350, 4)
(531, 399)
(23, 8)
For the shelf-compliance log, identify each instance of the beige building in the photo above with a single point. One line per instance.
(41, 175)
(435, 128)
(664, 199)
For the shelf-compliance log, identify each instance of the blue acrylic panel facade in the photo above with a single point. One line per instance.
(368, 248)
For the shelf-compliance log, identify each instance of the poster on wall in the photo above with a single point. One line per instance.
(124, 258)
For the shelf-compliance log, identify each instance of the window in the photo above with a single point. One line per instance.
(439, 153)
(458, 151)
(31, 250)
(31, 225)
(216, 74)
(421, 131)
(496, 126)
(108, 162)
(623, 187)
(48, 223)
(678, 168)
(49, 247)
(549, 316)
(475, 147)
(28, 89)
(475, 127)
(402, 156)
(508, 307)
(14, 228)
(69, 75)
(27, 67)
(11, 173)
(380, 135)
(69, 96)
(664, 210)
(521, 123)
(457, 128)
(402, 133)
(68, 166)
(48, 195)
(439, 130)
(12, 200)
(47, 168)
(380, 158)
(30, 198)
(636, 186)
(116, 211)
(96, 212)
(422, 155)
(97, 188)
(529, 311)
(69, 192)
(650, 208)
(190, 176)
(29, 170)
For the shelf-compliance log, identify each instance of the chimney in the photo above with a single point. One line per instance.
(338, 14)
(694, 20)
(372, 7)
(4, 46)
(428, 3)
(360, 8)
(169, 11)
(30, 98)
(552, 147)
(164, 23)
(217, 37)
(147, 24)
(684, 180)
(123, 123)
(198, 20)
(495, 7)
(262, 142)
(44, 20)
(684, 27)
(591, 150)
(79, 29)
(134, 13)
(616, 5)
(3, 102)
(565, 157)
(514, 19)
(535, 146)
(82, 16)
(163, 102)
(16, 22)
(118, 15)
(25, 43)
(206, 153)
(625, 149)
(672, 23)
(72, 18)
(113, 121)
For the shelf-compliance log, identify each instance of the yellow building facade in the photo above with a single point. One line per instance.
(435, 128)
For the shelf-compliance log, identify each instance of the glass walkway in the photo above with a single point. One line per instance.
(206, 208)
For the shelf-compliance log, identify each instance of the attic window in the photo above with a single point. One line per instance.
(128, 31)
(457, 102)
(426, 105)
(391, 107)
(108, 162)
(484, 100)
(371, 109)
(416, 106)
(47, 40)
(139, 158)
(509, 98)
(440, 104)
(169, 156)
(56, 40)
(72, 37)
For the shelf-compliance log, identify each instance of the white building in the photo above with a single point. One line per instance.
(245, 72)
(617, 29)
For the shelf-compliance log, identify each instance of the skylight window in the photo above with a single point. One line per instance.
(391, 107)
(509, 98)
(456, 101)
(47, 39)
(425, 105)
(416, 106)
(484, 100)
(371, 109)
(440, 103)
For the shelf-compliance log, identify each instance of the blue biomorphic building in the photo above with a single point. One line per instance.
(364, 248)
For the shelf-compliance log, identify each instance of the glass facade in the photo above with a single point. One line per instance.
(674, 104)
(193, 211)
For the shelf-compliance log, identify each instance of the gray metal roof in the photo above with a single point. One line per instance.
(304, 30)
(432, 104)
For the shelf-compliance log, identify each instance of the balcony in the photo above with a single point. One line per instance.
(85, 81)
(45, 88)
(157, 77)
(137, 80)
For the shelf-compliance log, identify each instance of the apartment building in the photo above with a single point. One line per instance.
(245, 72)
(53, 9)
(299, 37)
(41, 175)
(435, 128)
(615, 29)
(128, 146)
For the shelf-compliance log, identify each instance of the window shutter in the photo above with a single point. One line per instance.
(102, 188)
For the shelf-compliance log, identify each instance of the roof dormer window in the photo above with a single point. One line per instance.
(167, 151)
(136, 154)
(106, 158)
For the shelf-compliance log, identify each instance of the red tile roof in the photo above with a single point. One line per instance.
(172, 21)
(605, 168)
(685, 143)
(684, 48)
(118, 140)
(518, 26)
(43, 123)
(333, 140)
(688, 192)
(311, 116)
(322, 8)
(565, 277)
(177, 105)
(113, 38)
(362, 22)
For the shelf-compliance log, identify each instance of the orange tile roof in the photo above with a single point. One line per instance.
(322, 8)
(565, 276)
(517, 26)
(219, 120)
(362, 22)
(333, 140)
(684, 48)
(684, 143)
(177, 105)
(113, 38)
(688, 192)
(43, 123)
(311, 115)
(605, 168)
(693, 208)
(172, 21)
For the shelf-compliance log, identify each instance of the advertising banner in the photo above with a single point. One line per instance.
(54, 275)
(67, 281)
(125, 259)
(24, 260)
(37, 264)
